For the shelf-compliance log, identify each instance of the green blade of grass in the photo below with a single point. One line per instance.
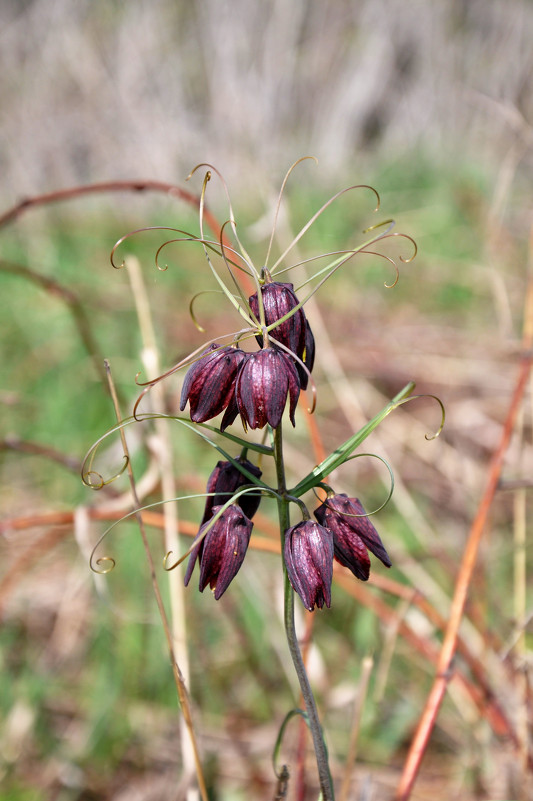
(341, 453)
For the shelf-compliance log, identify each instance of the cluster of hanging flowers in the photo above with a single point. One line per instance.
(343, 532)
(257, 386)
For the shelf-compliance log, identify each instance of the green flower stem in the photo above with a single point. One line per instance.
(326, 784)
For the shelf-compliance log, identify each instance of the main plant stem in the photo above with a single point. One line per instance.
(326, 784)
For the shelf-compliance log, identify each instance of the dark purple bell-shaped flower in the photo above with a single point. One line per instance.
(224, 481)
(264, 381)
(222, 550)
(308, 557)
(352, 535)
(278, 300)
(295, 333)
(210, 382)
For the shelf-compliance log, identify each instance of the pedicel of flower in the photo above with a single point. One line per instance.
(222, 550)
(210, 382)
(353, 533)
(264, 381)
(308, 555)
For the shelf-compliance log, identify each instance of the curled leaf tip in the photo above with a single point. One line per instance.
(415, 247)
(168, 554)
(87, 475)
(103, 560)
(391, 222)
(408, 397)
(87, 480)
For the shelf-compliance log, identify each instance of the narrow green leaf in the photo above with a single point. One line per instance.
(341, 454)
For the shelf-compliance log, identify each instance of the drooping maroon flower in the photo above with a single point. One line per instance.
(264, 381)
(224, 481)
(295, 333)
(278, 300)
(210, 382)
(222, 550)
(308, 555)
(352, 535)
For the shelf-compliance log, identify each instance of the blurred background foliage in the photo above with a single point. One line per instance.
(431, 103)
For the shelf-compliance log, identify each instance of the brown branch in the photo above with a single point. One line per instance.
(81, 320)
(483, 695)
(449, 645)
(62, 195)
(14, 443)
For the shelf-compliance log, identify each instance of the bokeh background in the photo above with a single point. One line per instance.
(431, 103)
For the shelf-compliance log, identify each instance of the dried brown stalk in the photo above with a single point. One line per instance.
(464, 577)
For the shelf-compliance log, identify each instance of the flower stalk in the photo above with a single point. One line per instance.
(326, 783)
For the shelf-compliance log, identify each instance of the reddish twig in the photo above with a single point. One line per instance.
(14, 443)
(79, 316)
(61, 522)
(444, 665)
(62, 195)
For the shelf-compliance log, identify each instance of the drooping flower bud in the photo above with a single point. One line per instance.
(352, 535)
(264, 381)
(222, 550)
(278, 300)
(210, 382)
(224, 481)
(295, 333)
(308, 555)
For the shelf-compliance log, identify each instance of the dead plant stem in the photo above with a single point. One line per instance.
(162, 443)
(444, 666)
(178, 676)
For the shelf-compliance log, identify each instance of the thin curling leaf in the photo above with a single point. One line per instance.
(341, 454)
(210, 382)
(308, 555)
(264, 381)
(317, 215)
(244, 254)
(278, 204)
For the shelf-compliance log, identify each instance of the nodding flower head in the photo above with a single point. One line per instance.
(264, 381)
(224, 481)
(353, 534)
(222, 550)
(308, 555)
(295, 333)
(210, 382)
(278, 300)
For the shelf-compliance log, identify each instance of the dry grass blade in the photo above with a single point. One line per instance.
(464, 577)
(178, 676)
